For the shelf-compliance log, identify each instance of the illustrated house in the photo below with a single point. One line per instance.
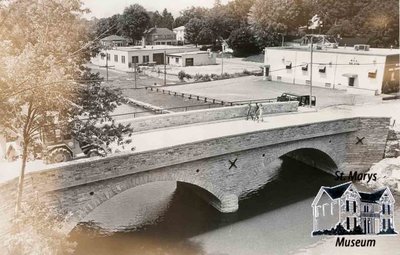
(344, 204)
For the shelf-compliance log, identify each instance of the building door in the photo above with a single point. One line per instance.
(351, 81)
(189, 62)
(158, 58)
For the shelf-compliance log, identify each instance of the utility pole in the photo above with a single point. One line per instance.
(165, 67)
(135, 70)
(311, 68)
(222, 64)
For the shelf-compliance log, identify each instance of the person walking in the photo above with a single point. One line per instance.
(249, 114)
(256, 111)
(260, 113)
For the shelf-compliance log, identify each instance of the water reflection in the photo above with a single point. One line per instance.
(157, 219)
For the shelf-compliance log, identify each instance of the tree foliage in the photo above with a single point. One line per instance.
(44, 46)
(243, 42)
(165, 19)
(134, 21)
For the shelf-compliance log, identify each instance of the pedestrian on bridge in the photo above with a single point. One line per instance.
(250, 112)
(260, 113)
(255, 112)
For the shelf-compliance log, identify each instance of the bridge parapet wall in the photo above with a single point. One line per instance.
(205, 115)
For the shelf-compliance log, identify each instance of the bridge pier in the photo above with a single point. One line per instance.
(227, 203)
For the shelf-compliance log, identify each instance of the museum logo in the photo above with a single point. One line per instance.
(343, 210)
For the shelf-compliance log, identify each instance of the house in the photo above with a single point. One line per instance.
(180, 34)
(114, 41)
(159, 36)
(194, 58)
(124, 58)
(344, 204)
(359, 69)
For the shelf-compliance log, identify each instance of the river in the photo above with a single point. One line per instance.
(157, 219)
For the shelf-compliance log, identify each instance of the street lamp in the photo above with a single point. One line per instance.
(315, 22)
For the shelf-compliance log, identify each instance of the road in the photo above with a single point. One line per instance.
(161, 138)
(254, 87)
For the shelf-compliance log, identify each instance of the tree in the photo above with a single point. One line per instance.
(270, 18)
(44, 77)
(108, 26)
(161, 20)
(134, 21)
(239, 9)
(242, 42)
(188, 14)
(193, 30)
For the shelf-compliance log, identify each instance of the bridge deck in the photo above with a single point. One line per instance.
(162, 138)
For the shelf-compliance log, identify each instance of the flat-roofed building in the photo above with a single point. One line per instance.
(195, 58)
(358, 69)
(124, 58)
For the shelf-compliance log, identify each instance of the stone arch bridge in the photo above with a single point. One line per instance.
(220, 170)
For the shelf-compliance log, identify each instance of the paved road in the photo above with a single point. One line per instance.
(254, 87)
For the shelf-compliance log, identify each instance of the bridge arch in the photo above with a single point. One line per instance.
(103, 193)
(314, 157)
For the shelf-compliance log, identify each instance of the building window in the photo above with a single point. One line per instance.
(102, 56)
(304, 67)
(372, 74)
(347, 222)
(347, 206)
(177, 60)
(366, 208)
(108, 56)
(146, 59)
(123, 59)
(383, 209)
(322, 69)
(388, 209)
(288, 65)
(389, 223)
(355, 222)
(115, 58)
(135, 59)
(383, 224)
(354, 206)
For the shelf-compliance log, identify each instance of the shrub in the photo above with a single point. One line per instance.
(181, 75)
(38, 231)
(206, 77)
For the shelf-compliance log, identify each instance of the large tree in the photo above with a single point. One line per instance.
(134, 21)
(188, 14)
(242, 42)
(271, 18)
(44, 46)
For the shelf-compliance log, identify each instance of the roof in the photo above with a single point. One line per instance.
(113, 38)
(159, 30)
(156, 47)
(337, 191)
(342, 50)
(179, 28)
(180, 54)
(372, 197)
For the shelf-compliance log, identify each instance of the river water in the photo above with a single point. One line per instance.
(157, 219)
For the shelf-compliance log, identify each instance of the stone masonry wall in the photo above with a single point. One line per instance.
(78, 187)
(205, 115)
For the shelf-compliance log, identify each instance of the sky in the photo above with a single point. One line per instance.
(107, 8)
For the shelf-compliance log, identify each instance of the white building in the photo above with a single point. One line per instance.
(195, 58)
(357, 69)
(180, 34)
(123, 58)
